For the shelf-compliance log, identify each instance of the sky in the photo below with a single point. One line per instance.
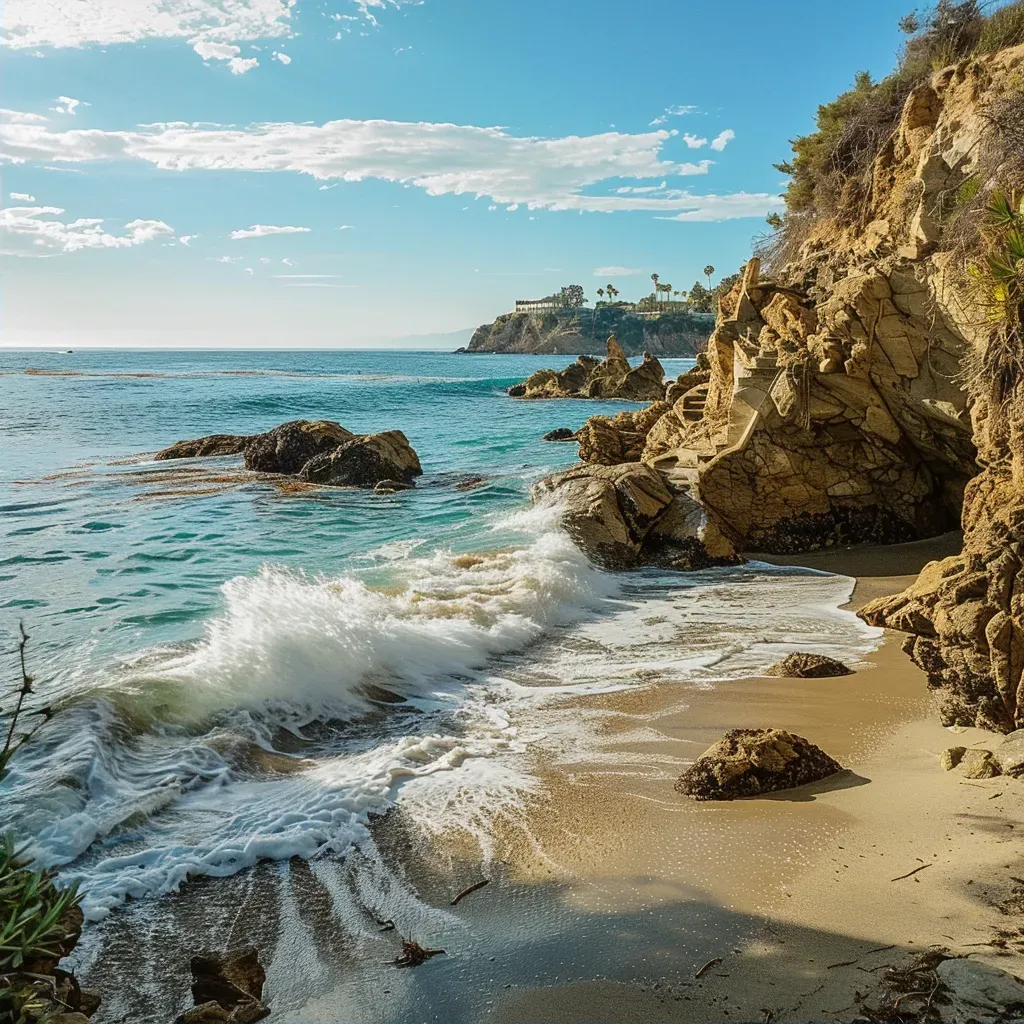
(306, 173)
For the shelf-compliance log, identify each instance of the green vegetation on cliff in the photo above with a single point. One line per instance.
(831, 169)
(585, 331)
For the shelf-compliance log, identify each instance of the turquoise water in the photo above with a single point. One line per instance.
(246, 675)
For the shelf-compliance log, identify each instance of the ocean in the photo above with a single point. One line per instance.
(250, 676)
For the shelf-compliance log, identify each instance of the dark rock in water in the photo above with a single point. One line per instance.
(516, 391)
(204, 447)
(470, 483)
(560, 434)
(800, 665)
(287, 448)
(365, 462)
(227, 987)
(749, 762)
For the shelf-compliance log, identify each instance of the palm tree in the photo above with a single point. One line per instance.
(612, 291)
(600, 292)
(708, 271)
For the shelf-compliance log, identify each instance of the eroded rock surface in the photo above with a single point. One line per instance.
(317, 452)
(750, 762)
(204, 447)
(802, 665)
(227, 987)
(610, 378)
(365, 462)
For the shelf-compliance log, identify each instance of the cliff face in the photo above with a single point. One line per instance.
(867, 393)
(583, 331)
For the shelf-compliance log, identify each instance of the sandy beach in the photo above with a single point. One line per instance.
(799, 895)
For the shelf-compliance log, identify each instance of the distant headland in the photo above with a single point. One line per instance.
(665, 323)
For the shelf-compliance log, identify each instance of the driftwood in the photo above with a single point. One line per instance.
(707, 967)
(470, 888)
(909, 873)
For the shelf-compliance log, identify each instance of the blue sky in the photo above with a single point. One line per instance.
(442, 158)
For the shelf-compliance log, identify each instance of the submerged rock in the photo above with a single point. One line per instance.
(227, 987)
(365, 462)
(205, 447)
(801, 665)
(560, 434)
(287, 448)
(749, 762)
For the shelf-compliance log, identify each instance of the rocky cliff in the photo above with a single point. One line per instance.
(871, 387)
(583, 331)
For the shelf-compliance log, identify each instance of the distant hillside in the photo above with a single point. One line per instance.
(585, 331)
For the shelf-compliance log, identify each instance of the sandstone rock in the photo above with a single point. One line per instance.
(227, 987)
(750, 762)
(609, 510)
(978, 764)
(951, 758)
(560, 434)
(365, 462)
(1009, 755)
(287, 448)
(611, 440)
(203, 447)
(801, 665)
(978, 993)
(613, 378)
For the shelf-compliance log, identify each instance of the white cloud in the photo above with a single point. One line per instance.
(20, 117)
(287, 262)
(262, 230)
(728, 207)
(282, 57)
(618, 271)
(225, 259)
(22, 197)
(38, 231)
(249, 270)
(294, 277)
(694, 141)
(66, 105)
(186, 240)
(30, 24)
(266, 259)
(680, 111)
(442, 159)
(240, 65)
(345, 227)
(721, 141)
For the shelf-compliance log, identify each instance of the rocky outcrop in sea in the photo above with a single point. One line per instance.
(317, 452)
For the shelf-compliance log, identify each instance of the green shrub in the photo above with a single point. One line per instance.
(1002, 28)
(34, 913)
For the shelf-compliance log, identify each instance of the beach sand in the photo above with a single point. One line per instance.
(798, 893)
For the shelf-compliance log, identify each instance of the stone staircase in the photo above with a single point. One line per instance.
(694, 402)
(753, 378)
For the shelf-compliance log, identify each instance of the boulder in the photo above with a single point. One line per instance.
(978, 764)
(287, 448)
(609, 510)
(204, 447)
(364, 462)
(560, 434)
(951, 758)
(750, 762)
(392, 486)
(979, 993)
(801, 665)
(227, 987)
(1009, 755)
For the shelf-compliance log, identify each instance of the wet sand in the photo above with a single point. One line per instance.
(797, 894)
